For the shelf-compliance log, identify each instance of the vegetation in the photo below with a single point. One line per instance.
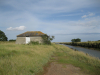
(12, 40)
(76, 40)
(47, 39)
(89, 65)
(89, 44)
(3, 36)
(33, 43)
(29, 59)
(23, 59)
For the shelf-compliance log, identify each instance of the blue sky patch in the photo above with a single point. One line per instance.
(75, 19)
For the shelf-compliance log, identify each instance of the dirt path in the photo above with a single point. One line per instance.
(62, 69)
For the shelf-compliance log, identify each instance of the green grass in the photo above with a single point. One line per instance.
(23, 59)
(88, 64)
(29, 59)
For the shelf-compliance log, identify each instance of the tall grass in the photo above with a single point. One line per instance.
(88, 64)
(34, 43)
(23, 59)
(29, 59)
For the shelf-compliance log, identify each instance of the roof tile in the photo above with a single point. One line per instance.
(31, 33)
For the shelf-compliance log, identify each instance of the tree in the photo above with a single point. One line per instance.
(47, 39)
(3, 36)
(76, 40)
(73, 40)
(12, 40)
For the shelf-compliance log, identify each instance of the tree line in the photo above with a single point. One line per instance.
(3, 37)
(76, 40)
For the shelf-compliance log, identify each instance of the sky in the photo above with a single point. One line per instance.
(64, 19)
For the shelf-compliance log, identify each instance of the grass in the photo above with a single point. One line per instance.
(23, 59)
(88, 64)
(29, 59)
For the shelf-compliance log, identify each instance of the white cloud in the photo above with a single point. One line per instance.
(49, 6)
(83, 26)
(84, 16)
(34, 15)
(91, 14)
(17, 28)
(72, 14)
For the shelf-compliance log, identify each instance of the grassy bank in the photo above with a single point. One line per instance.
(89, 44)
(88, 64)
(30, 59)
(23, 59)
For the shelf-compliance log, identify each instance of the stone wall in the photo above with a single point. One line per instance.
(36, 39)
(21, 40)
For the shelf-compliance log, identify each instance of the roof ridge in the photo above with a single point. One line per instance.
(31, 33)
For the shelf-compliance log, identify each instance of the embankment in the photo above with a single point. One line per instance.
(30, 59)
(90, 44)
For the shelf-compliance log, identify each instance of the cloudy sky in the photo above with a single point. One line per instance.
(65, 19)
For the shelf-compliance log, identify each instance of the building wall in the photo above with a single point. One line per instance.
(36, 39)
(22, 40)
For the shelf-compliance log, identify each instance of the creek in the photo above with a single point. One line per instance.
(91, 52)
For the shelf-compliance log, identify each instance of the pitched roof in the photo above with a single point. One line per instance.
(30, 33)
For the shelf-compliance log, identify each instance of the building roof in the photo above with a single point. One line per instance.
(30, 34)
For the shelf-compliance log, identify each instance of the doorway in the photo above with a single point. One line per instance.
(27, 40)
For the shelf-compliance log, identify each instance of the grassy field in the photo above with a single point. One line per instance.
(89, 44)
(23, 59)
(88, 64)
(30, 59)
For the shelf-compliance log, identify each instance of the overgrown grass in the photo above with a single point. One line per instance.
(30, 59)
(23, 59)
(34, 43)
(88, 64)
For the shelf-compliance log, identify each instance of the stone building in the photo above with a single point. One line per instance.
(28, 36)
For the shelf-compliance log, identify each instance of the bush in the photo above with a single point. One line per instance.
(33, 43)
(47, 39)
(12, 40)
(76, 40)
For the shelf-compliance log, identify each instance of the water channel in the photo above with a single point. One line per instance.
(94, 53)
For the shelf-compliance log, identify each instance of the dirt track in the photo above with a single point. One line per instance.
(61, 69)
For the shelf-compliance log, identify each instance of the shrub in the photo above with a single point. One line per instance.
(33, 43)
(76, 40)
(47, 39)
(12, 40)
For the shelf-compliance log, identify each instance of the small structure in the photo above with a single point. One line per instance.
(28, 36)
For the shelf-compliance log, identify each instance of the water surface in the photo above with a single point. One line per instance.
(94, 53)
